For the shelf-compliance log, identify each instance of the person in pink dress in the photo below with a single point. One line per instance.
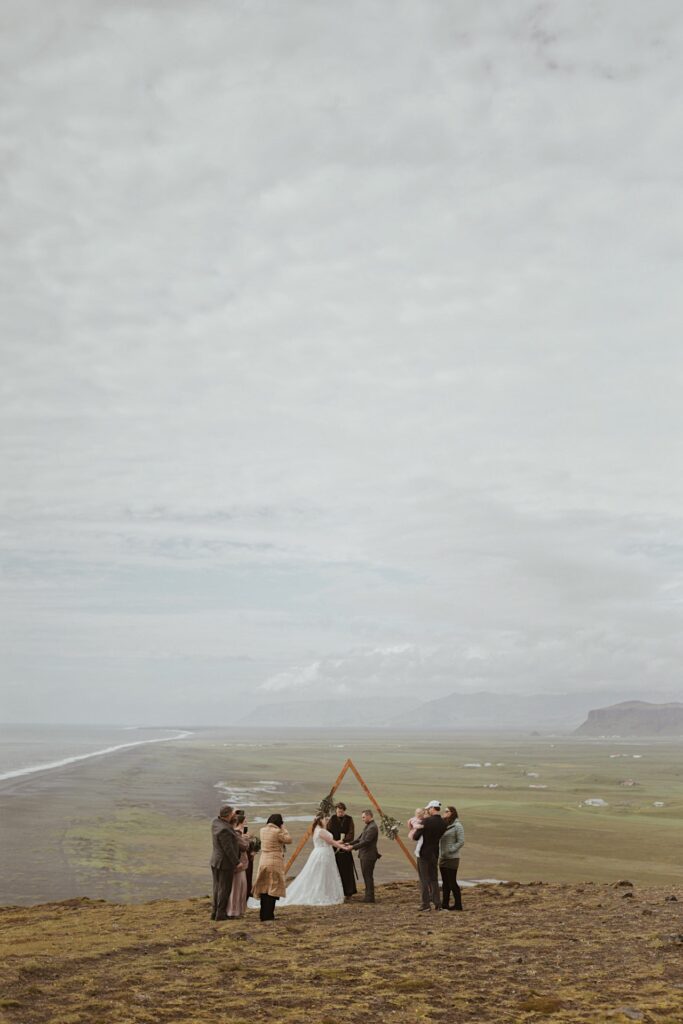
(237, 904)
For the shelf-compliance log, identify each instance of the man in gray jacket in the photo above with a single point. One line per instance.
(366, 845)
(225, 857)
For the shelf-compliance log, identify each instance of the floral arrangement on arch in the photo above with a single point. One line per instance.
(389, 826)
(326, 806)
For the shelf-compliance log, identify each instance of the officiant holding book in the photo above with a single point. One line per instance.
(341, 827)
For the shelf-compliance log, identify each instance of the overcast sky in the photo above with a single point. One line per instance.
(341, 351)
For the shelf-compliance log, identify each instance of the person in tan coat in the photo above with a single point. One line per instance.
(269, 884)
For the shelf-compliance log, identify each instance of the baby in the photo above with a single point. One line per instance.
(415, 823)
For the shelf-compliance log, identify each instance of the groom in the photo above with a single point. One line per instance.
(366, 845)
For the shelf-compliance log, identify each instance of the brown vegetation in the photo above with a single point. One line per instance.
(519, 953)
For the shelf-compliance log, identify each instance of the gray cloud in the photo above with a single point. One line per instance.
(329, 333)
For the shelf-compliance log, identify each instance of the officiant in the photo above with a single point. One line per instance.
(341, 827)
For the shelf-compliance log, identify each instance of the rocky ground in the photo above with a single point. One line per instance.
(588, 953)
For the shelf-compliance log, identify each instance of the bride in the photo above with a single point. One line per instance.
(319, 884)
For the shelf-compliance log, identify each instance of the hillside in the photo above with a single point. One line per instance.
(588, 953)
(634, 718)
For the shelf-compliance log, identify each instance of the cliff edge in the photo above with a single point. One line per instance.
(634, 718)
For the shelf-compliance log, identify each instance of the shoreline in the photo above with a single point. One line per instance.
(66, 761)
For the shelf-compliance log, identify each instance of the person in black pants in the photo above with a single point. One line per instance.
(225, 857)
(267, 912)
(428, 855)
(341, 825)
(366, 845)
(450, 846)
(269, 884)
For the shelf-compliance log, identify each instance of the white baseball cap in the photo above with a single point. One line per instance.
(434, 803)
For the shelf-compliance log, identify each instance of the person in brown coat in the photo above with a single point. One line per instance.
(269, 884)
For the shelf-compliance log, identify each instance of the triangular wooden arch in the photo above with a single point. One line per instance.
(306, 836)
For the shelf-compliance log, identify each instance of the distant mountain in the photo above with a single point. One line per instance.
(634, 718)
(485, 710)
(327, 713)
(556, 712)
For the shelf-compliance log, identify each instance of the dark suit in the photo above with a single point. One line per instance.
(225, 856)
(343, 827)
(366, 845)
(428, 859)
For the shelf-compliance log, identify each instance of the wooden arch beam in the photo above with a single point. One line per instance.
(348, 764)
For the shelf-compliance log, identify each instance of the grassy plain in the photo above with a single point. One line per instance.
(134, 826)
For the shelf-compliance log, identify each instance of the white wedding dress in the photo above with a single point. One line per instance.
(318, 884)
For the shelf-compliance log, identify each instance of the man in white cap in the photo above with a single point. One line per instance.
(428, 858)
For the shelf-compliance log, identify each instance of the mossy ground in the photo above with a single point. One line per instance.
(587, 953)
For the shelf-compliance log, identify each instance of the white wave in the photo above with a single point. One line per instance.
(84, 757)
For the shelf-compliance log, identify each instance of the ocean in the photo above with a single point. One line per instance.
(27, 749)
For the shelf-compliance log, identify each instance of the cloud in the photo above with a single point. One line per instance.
(356, 673)
(328, 333)
(529, 661)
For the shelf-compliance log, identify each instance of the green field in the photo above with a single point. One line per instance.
(135, 825)
(513, 831)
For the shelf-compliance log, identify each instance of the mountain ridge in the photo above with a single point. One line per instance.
(483, 710)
